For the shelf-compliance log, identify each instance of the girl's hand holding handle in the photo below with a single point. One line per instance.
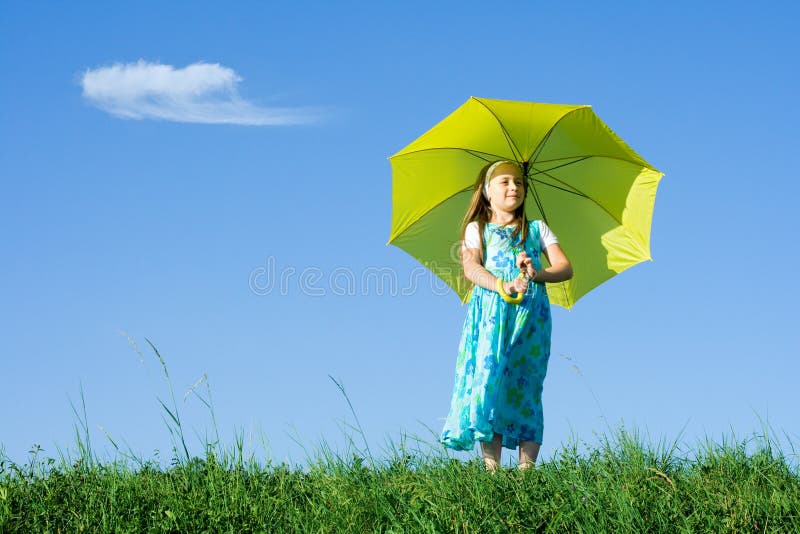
(517, 285)
(525, 263)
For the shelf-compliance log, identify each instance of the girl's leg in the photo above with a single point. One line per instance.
(528, 451)
(492, 451)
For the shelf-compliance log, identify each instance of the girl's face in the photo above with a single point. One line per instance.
(506, 188)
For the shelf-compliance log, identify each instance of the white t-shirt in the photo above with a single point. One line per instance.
(471, 238)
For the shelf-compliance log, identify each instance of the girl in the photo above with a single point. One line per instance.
(505, 342)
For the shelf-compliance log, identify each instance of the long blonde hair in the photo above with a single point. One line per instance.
(480, 210)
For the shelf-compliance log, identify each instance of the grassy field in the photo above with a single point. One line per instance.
(623, 485)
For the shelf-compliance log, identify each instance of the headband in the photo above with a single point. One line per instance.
(489, 172)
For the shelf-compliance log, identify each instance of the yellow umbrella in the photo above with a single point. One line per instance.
(591, 189)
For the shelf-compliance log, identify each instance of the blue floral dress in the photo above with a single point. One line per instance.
(502, 355)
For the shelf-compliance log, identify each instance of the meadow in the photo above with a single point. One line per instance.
(624, 484)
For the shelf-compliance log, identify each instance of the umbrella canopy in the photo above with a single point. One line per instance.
(588, 185)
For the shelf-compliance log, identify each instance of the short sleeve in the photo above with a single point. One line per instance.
(471, 238)
(546, 236)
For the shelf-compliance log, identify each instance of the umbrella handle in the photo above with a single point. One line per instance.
(522, 274)
(508, 298)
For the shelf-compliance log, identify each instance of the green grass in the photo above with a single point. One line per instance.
(622, 485)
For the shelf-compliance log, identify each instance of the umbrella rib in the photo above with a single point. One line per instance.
(473, 153)
(533, 185)
(577, 193)
(582, 158)
(543, 142)
(539, 148)
(637, 164)
(538, 202)
(532, 159)
(467, 150)
(509, 140)
(580, 193)
(567, 157)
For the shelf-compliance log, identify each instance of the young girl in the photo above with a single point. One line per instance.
(505, 343)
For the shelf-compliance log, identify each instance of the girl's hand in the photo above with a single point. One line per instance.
(525, 263)
(517, 285)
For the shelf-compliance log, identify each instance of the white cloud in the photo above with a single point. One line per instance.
(201, 92)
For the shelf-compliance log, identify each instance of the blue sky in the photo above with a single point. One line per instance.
(150, 216)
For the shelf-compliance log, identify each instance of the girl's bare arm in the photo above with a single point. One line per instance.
(560, 268)
(474, 270)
